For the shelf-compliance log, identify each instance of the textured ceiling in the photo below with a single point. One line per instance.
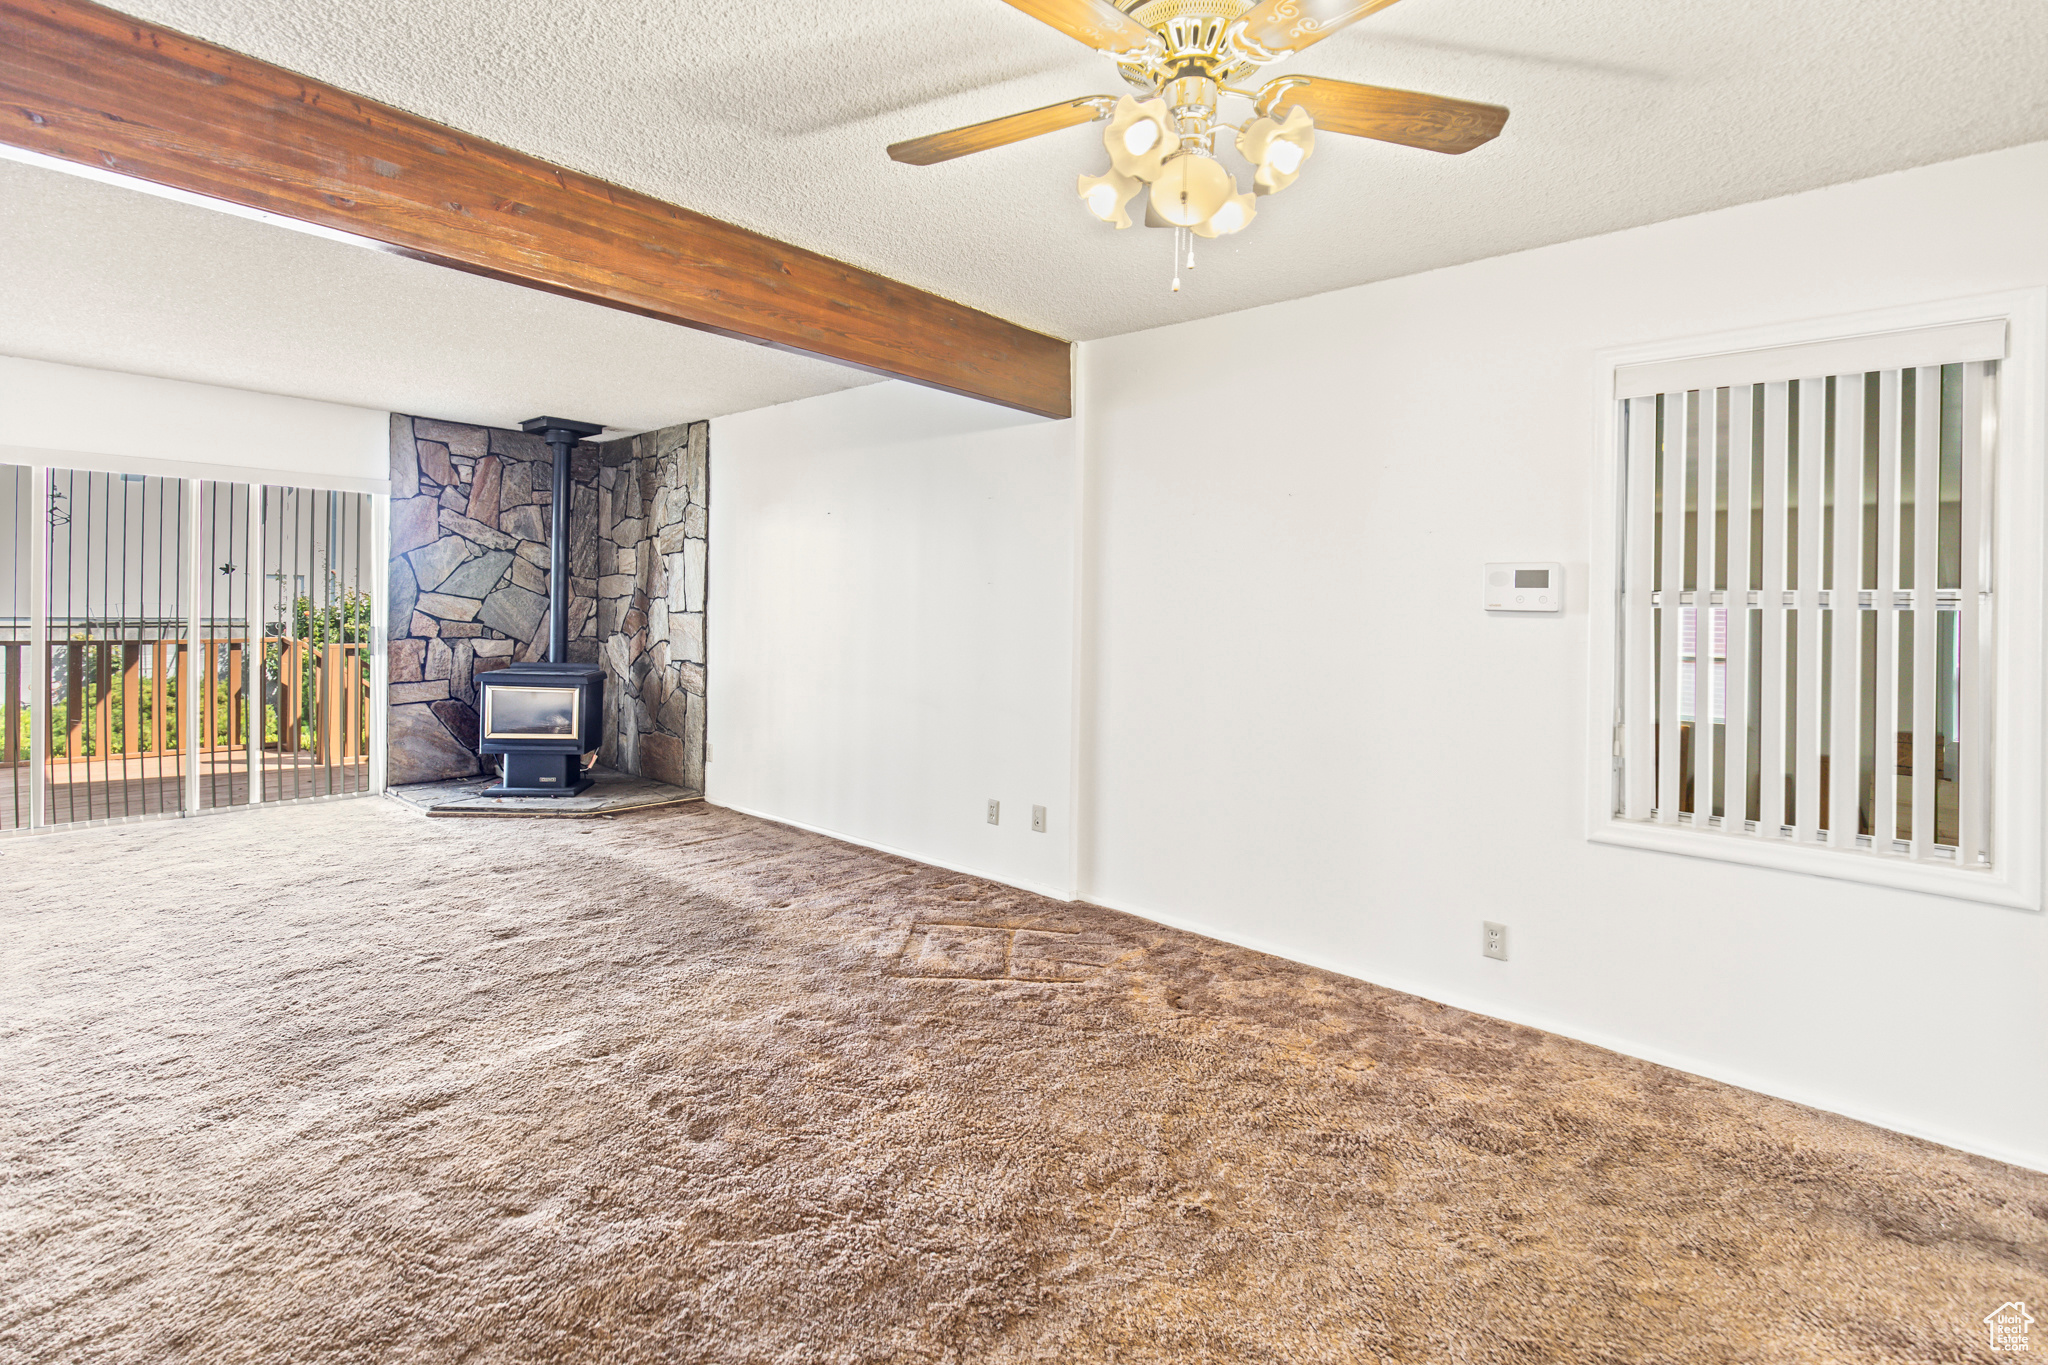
(105, 276)
(775, 115)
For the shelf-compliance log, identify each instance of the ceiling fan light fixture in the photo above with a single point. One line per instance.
(1180, 60)
(1140, 137)
(1106, 194)
(1190, 189)
(1237, 211)
(1277, 148)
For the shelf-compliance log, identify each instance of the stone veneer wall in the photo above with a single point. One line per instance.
(654, 522)
(470, 520)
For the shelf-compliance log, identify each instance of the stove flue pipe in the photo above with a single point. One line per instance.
(561, 434)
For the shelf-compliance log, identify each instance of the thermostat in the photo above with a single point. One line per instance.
(1525, 587)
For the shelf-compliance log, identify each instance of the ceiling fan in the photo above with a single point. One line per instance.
(1182, 57)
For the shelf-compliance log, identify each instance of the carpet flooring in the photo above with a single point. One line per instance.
(342, 1083)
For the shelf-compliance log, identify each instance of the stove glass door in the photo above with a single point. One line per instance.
(530, 712)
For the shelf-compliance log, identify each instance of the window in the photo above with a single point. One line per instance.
(1807, 653)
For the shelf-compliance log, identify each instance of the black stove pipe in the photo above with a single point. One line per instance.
(561, 435)
(558, 554)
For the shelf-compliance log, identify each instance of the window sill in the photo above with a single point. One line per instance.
(1991, 886)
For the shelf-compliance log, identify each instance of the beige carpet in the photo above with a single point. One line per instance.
(332, 1084)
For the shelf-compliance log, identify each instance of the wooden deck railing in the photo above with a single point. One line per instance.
(120, 698)
(326, 711)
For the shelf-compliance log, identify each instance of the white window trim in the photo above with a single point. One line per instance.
(157, 467)
(2020, 476)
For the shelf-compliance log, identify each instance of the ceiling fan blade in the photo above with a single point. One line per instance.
(1435, 123)
(1000, 132)
(1274, 28)
(1097, 23)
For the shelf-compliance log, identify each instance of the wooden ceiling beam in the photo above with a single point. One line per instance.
(90, 85)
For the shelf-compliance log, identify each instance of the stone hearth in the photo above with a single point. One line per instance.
(611, 793)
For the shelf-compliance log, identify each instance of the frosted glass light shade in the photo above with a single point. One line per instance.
(1277, 149)
(1237, 211)
(1140, 137)
(1190, 189)
(1106, 194)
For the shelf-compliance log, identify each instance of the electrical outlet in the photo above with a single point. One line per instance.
(707, 751)
(1496, 940)
(1038, 819)
(995, 811)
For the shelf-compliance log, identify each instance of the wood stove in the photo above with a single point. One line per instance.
(545, 718)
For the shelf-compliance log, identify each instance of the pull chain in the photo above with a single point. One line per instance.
(1181, 234)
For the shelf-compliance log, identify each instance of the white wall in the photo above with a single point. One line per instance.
(130, 423)
(1296, 727)
(1301, 731)
(891, 625)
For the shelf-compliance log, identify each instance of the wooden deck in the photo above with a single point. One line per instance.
(92, 790)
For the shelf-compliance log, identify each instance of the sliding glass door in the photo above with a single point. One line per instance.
(174, 645)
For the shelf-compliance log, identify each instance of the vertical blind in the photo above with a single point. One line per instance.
(170, 645)
(1806, 611)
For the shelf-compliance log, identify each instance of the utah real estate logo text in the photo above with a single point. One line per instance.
(2008, 1327)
